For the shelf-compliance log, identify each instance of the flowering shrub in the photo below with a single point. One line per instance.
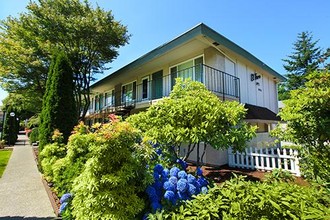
(241, 199)
(112, 182)
(171, 187)
(65, 202)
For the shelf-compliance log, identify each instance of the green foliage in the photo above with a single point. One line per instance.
(240, 199)
(58, 103)
(279, 175)
(78, 152)
(90, 36)
(308, 120)
(305, 59)
(10, 127)
(34, 135)
(48, 156)
(33, 122)
(192, 114)
(112, 182)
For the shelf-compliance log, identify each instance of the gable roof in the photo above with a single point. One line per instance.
(200, 29)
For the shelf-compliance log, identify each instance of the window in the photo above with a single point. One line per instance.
(101, 101)
(145, 88)
(192, 69)
(109, 98)
(129, 92)
(96, 107)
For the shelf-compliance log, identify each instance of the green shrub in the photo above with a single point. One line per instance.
(71, 166)
(279, 175)
(240, 199)
(34, 135)
(113, 181)
(48, 156)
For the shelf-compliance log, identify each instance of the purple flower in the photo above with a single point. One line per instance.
(204, 190)
(182, 174)
(156, 176)
(174, 171)
(173, 180)
(199, 171)
(168, 186)
(182, 185)
(191, 179)
(158, 168)
(65, 197)
(63, 207)
(170, 196)
(192, 189)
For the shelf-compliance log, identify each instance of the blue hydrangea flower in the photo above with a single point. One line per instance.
(156, 176)
(156, 205)
(191, 179)
(65, 197)
(183, 196)
(168, 186)
(204, 190)
(199, 171)
(182, 185)
(158, 169)
(182, 174)
(173, 180)
(156, 145)
(159, 151)
(63, 207)
(174, 171)
(151, 191)
(165, 173)
(192, 189)
(202, 181)
(170, 196)
(182, 163)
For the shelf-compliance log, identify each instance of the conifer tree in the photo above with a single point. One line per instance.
(306, 58)
(10, 129)
(59, 110)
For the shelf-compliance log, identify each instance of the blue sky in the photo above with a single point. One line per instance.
(266, 29)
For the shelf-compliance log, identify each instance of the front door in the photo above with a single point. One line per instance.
(157, 85)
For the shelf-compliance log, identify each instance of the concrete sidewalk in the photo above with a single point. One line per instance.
(22, 193)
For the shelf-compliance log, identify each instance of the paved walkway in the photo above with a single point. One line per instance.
(22, 193)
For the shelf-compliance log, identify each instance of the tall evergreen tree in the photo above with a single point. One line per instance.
(59, 111)
(10, 127)
(305, 59)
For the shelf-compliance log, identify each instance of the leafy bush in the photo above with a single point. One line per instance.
(112, 182)
(240, 199)
(279, 175)
(48, 156)
(78, 152)
(34, 135)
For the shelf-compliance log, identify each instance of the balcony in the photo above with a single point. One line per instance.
(133, 95)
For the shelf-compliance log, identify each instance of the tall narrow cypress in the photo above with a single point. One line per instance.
(59, 111)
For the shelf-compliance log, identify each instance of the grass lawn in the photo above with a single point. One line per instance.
(4, 157)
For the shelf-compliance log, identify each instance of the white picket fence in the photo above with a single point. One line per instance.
(265, 159)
